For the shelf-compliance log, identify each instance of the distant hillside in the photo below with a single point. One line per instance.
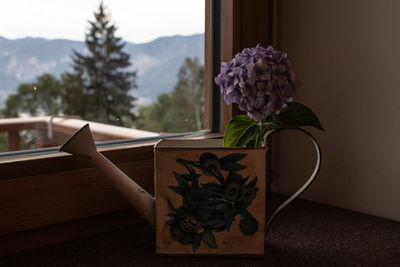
(157, 62)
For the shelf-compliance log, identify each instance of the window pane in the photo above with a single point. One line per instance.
(132, 69)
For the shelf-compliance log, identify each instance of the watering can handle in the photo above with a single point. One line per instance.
(305, 185)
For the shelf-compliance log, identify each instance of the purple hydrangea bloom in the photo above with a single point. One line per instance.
(260, 80)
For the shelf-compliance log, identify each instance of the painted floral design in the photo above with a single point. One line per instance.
(209, 208)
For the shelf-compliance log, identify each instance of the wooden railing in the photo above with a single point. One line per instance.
(55, 130)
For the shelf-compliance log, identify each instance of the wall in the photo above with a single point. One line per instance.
(347, 55)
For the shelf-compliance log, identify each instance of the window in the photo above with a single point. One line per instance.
(151, 86)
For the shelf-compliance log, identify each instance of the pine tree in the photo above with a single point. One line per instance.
(103, 75)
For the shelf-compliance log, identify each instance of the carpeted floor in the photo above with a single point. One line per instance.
(305, 234)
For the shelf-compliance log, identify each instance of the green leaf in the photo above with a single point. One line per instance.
(234, 157)
(248, 137)
(239, 129)
(266, 127)
(298, 115)
(251, 143)
(242, 131)
(209, 239)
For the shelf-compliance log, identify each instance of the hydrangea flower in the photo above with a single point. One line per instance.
(260, 80)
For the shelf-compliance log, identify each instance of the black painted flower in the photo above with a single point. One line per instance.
(185, 230)
(204, 214)
(234, 187)
(210, 163)
(233, 191)
(213, 206)
(236, 190)
(249, 193)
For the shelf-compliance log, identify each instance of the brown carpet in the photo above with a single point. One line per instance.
(305, 234)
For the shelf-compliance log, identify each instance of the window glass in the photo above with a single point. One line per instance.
(132, 69)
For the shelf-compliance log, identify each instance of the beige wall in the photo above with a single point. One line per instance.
(347, 55)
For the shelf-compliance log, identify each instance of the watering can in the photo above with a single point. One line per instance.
(208, 199)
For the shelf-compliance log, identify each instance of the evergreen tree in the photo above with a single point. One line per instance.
(180, 110)
(101, 76)
(73, 94)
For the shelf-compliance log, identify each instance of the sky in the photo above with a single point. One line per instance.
(137, 21)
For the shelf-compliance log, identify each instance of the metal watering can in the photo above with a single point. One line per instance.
(209, 199)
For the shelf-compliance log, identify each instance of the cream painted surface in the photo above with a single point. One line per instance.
(347, 55)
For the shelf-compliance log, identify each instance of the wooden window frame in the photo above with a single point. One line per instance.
(58, 193)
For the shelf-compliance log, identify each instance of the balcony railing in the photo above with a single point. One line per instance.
(55, 130)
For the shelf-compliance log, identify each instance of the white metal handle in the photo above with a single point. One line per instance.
(306, 184)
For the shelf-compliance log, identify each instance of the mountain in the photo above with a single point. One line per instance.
(157, 62)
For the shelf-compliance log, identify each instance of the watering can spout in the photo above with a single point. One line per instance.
(82, 144)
